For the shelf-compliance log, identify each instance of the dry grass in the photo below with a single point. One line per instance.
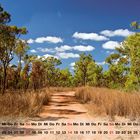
(23, 104)
(61, 89)
(111, 102)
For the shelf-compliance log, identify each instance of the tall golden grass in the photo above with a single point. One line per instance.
(110, 102)
(23, 104)
(61, 89)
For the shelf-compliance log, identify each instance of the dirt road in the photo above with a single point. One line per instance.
(65, 118)
(64, 106)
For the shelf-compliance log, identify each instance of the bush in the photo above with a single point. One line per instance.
(132, 83)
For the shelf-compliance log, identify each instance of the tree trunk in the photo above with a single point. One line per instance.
(18, 74)
(4, 79)
(85, 77)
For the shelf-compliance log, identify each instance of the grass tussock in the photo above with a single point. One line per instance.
(110, 102)
(24, 104)
(61, 89)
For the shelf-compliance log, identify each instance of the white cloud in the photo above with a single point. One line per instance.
(64, 55)
(83, 48)
(33, 51)
(30, 41)
(50, 39)
(49, 55)
(46, 56)
(78, 48)
(72, 64)
(89, 36)
(45, 50)
(63, 48)
(101, 63)
(118, 32)
(110, 45)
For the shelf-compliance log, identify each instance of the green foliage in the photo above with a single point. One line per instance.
(81, 67)
(8, 37)
(51, 72)
(87, 72)
(66, 78)
(124, 65)
(132, 83)
(132, 44)
(37, 74)
(135, 25)
(115, 77)
(94, 73)
(5, 17)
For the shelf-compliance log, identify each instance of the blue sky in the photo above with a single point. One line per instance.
(66, 28)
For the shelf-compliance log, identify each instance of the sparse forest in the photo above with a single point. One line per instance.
(38, 73)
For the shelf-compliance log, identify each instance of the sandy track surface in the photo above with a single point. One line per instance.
(64, 106)
(64, 117)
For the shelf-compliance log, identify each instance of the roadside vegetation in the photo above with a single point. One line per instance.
(111, 102)
(27, 104)
(22, 83)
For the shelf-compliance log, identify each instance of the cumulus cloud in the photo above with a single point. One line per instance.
(100, 63)
(30, 41)
(33, 51)
(63, 48)
(110, 45)
(83, 48)
(77, 48)
(118, 32)
(45, 50)
(49, 55)
(89, 36)
(50, 39)
(64, 55)
(46, 56)
(72, 65)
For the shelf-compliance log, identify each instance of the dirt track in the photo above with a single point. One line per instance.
(64, 108)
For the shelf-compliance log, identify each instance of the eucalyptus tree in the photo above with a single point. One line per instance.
(37, 74)
(26, 71)
(116, 75)
(94, 74)
(81, 68)
(131, 49)
(66, 78)
(135, 25)
(52, 73)
(8, 37)
(21, 50)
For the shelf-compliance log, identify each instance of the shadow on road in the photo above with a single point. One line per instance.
(64, 111)
(49, 118)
